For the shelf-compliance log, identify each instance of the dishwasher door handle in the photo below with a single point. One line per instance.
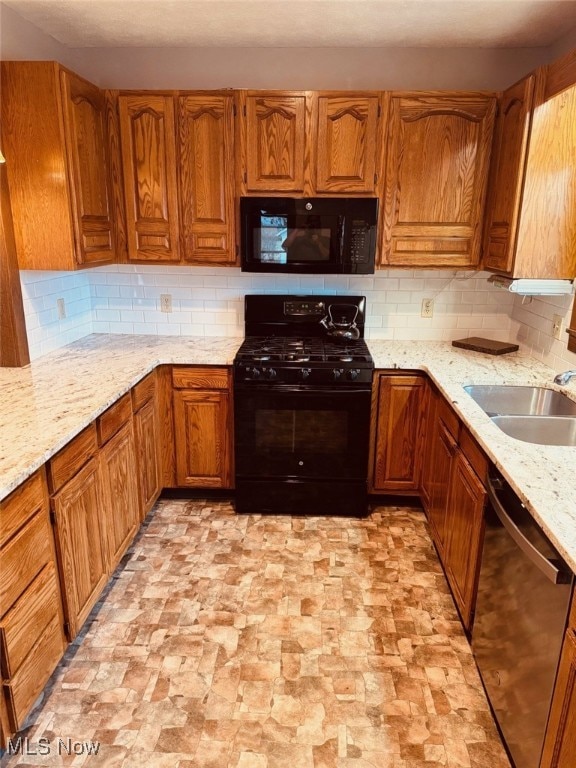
(547, 567)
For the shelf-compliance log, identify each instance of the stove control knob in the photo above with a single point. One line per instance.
(271, 373)
(353, 374)
(305, 373)
(337, 373)
(255, 373)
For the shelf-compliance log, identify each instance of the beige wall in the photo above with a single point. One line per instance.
(348, 68)
(308, 68)
(562, 46)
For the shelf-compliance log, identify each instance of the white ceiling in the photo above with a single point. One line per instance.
(300, 23)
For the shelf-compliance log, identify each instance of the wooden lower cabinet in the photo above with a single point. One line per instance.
(397, 432)
(444, 449)
(79, 528)
(453, 495)
(203, 427)
(31, 621)
(120, 493)
(560, 743)
(147, 435)
(463, 535)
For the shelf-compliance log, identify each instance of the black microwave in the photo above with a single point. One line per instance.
(324, 235)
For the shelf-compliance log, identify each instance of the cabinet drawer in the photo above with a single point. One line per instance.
(114, 418)
(474, 454)
(449, 418)
(144, 391)
(72, 458)
(24, 502)
(28, 618)
(24, 687)
(23, 557)
(201, 378)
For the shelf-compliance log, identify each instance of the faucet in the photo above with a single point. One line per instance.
(564, 378)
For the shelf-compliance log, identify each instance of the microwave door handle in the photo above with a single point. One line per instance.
(341, 235)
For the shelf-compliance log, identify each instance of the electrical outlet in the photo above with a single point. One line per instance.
(61, 309)
(557, 326)
(165, 302)
(427, 308)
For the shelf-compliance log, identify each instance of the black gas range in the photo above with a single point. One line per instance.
(302, 389)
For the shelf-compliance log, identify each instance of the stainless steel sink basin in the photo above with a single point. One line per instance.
(510, 400)
(544, 430)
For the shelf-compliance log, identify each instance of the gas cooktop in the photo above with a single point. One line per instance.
(259, 349)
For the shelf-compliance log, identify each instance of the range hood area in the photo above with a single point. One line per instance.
(533, 287)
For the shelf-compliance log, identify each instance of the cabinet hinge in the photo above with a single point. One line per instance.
(244, 110)
(379, 110)
(245, 178)
(234, 109)
(67, 629)
(53, 517)
(375, 178)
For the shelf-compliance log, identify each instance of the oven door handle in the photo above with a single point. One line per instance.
(546, 566)
(308, 389)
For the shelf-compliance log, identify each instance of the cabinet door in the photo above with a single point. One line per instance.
(560, 743)
(202, 435)
(346, 145)
(443, 451)
(85, 122)
(206, 135)
(436, 169)
(81, 543)
(148, 141)
(147, 442)
(275, 128)
(398, 433)
(464, 532)
(507, 174)
(546, 246)
(426, 476)
(120, 492)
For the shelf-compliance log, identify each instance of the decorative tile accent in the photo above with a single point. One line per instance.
(228, 641)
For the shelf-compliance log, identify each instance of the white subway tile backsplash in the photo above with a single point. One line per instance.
(209, 301)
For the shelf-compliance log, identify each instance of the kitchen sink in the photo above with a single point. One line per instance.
(510, 400)
(544, 430)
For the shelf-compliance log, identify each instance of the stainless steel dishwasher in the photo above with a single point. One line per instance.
(523, 598)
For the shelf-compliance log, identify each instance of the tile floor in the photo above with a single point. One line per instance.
(229, 641)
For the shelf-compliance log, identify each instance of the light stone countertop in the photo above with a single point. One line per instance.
(44, 405)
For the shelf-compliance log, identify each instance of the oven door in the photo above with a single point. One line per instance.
(301, 448)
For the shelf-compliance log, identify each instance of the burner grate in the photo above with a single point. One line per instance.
(296, 350)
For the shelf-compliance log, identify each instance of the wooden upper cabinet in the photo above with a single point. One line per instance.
(273, 140)
(148, 140)
(54, 138)
(85, 125)
(347, 139)
(206, 161)
(436, 170)
(531, 221)
(309, 142)
(507, 174)
(546, 245)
